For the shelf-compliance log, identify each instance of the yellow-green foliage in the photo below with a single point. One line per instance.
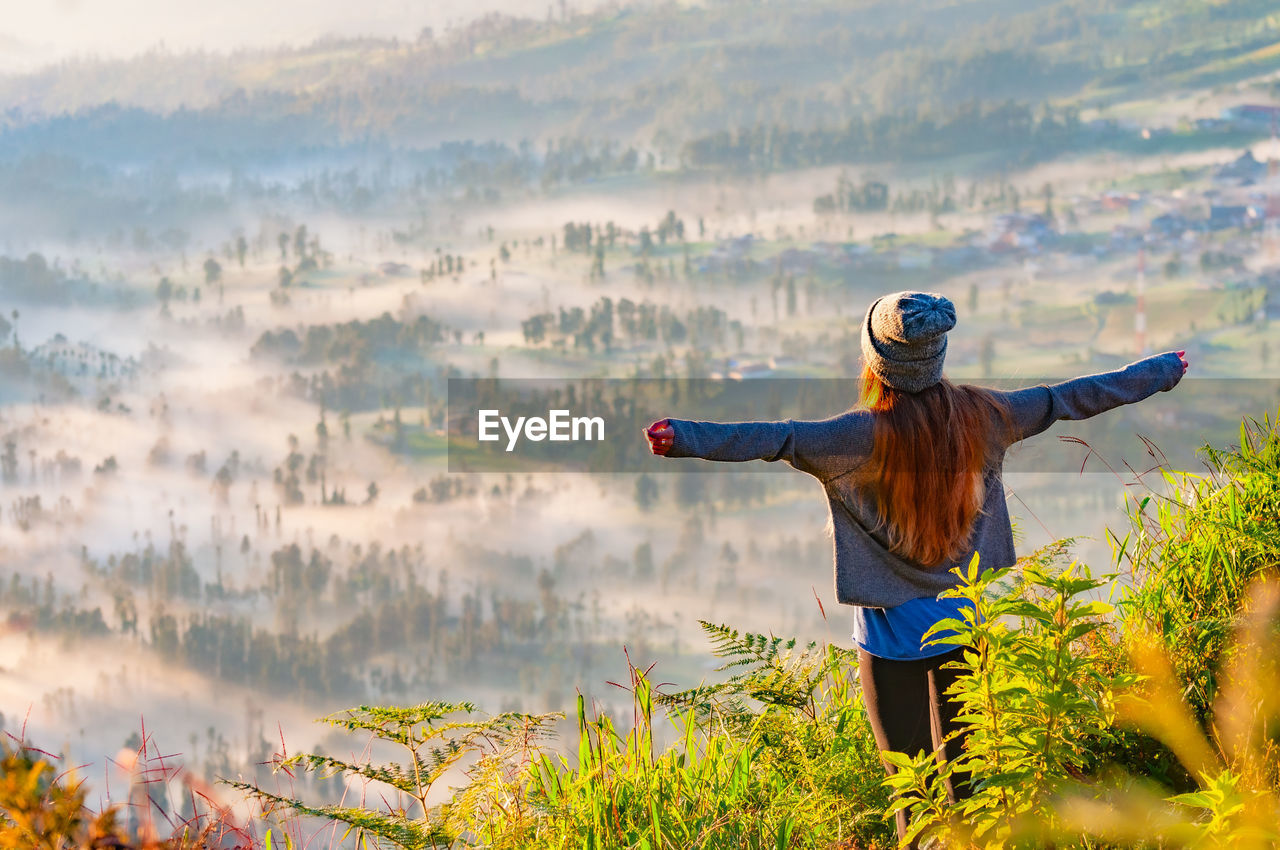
(1037, 707)
(1235, 761)
(1193, 552)
(797, 771)
(434, 741)
(778, 756)
(41, 811)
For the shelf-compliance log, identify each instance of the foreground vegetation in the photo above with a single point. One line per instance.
(1142, 721)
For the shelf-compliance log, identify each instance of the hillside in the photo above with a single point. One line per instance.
(662, 74)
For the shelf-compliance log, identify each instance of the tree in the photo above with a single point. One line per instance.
(242, 248)
(212, 271)
(643, 560)
(597, 264)
(164, 291)
(300, 241)
(646, 495)
(283, 241)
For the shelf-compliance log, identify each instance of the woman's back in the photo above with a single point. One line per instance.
(835, 451)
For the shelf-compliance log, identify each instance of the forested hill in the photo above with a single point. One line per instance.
(653, 75)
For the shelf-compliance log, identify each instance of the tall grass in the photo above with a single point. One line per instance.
(779, 755)
(1236, 763)
(1193, 552)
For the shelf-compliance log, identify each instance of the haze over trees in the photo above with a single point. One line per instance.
(237, 290)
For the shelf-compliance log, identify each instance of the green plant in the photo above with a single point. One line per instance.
(42, 809)
(1236, 764)
(1193, 552)
(433, 744)
(777, 756)
(1036, 709)
(769, 671)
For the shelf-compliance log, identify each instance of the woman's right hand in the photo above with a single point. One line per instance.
(660, 436)
(1181, 357)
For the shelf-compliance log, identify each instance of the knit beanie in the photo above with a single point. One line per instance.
(904, 338)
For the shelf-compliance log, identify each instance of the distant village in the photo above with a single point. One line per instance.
(1234, 216)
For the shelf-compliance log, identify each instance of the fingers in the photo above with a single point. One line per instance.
(661, 429)
(660, 436)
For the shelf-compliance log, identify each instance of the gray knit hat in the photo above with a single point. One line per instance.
(904, 338)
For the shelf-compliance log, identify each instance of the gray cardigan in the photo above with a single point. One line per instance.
(866, 573)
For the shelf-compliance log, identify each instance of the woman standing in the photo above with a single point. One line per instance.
(913, 484)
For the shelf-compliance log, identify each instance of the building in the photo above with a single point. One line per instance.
(1227, 216)
(1170, 225)
(1252, 115)
(1244, 170)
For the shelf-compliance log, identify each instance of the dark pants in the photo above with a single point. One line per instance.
(910, 712)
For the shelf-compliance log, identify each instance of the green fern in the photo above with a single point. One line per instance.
(398, 827)
(433, 743)
(770, 670)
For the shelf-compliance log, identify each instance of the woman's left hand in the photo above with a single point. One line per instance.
(660, 435)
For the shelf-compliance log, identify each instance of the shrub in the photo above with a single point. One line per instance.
(1236, 803)
(779, 755)
(42, 809)
(1037, 710)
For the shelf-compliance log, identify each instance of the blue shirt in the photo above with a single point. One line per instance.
(897, 633)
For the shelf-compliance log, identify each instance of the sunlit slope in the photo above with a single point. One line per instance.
(685, 70)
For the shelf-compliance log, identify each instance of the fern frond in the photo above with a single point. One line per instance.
(396, 723)
(399, 829)
(400, 778)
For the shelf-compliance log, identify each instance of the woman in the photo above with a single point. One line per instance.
(913, 484)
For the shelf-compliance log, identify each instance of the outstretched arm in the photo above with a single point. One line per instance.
(823, 448)
(1034, 409)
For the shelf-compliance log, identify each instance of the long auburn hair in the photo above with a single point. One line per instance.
(928, 459)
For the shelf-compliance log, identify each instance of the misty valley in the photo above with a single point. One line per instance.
(234, 293)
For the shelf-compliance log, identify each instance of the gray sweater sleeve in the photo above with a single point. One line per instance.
(1035, 408)
(827, 448)
(823, 448)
